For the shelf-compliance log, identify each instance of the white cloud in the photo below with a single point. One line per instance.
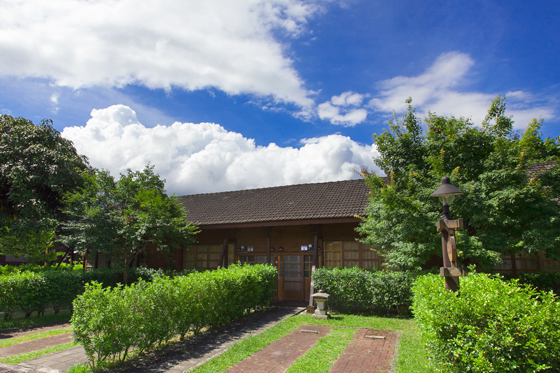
(190, 44)
(438, 90)
(204, 157)
(343, 110)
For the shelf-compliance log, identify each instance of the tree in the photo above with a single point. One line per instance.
(123, 218)
(507, 208)
(37, 166)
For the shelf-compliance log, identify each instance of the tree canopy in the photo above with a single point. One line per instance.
(37, 166)
(511, 185)
(122, 218)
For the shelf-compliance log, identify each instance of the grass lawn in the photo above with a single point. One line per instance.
(20, 321)
(411, 354)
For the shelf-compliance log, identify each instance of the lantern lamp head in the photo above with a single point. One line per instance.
(446, 192)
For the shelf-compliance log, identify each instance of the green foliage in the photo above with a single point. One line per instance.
(122, 218)
(109, 322)
(543, 281)
(490, 326)
(37, 166)
(356, 290)
(29, 291)
(347, 288)
(506, 208)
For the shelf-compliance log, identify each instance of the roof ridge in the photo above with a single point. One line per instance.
(273, 187)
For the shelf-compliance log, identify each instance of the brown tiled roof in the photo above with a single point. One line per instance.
(339, 199)
(537, 169)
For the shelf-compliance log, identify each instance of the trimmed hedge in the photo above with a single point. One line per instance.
(31, 291)
(490, 326)
(110, 322)
(358, 290)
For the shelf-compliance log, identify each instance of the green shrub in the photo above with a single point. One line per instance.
(545, 281)
(347, 288)
(357, 290)
(109, 322)
(490, 326)
(391, 289)
(38, 287)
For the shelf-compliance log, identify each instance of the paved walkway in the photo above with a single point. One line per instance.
(278, 356)
(38, 344)
(371, 351)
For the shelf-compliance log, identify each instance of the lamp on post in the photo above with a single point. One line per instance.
(446, 193)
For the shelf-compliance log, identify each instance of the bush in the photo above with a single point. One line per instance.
(545, 281)
(357, 290)
(109, 322)
(490, 326)
(391, 289)
(38, 287)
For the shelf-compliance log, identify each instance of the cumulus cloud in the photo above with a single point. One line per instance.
(190, 44)
(204, 157)
(344, 110)
(438, 90)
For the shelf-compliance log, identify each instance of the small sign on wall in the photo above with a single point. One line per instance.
(303, 247)
(250, 248)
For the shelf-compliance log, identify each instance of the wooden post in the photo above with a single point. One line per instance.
(268, 245)
(313, 264)
(224, 249)
(450, 269)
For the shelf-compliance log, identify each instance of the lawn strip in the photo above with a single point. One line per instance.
(33, 337)
(33, 354)
(411, 357)
(248, 346)
(322, 356)
(20, 321)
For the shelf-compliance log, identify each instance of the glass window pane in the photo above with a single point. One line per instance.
(201, 264)
(261, 258)
(202, 248)
(201, 256)
(214, 256)
(213, 264)
(215, 248)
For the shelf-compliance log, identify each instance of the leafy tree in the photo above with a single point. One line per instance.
(123, 218)
(37, 166)
(507, 206)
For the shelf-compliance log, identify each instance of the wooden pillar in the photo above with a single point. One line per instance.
(224, 249)
(314, 263)
(268, 256)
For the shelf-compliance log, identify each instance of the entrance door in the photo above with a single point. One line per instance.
(291, 271)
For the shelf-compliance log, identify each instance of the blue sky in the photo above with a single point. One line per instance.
(224, 95)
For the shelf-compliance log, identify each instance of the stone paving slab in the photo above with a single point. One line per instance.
(38, 344)
(60, 361)
(24, 368)
(278, 356)
(371, 351)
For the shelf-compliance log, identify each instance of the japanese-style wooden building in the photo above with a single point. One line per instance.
(293, 227)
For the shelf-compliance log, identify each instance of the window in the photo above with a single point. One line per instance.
(202, 256)
(252, 259)
(333, 254)
(351, 254)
